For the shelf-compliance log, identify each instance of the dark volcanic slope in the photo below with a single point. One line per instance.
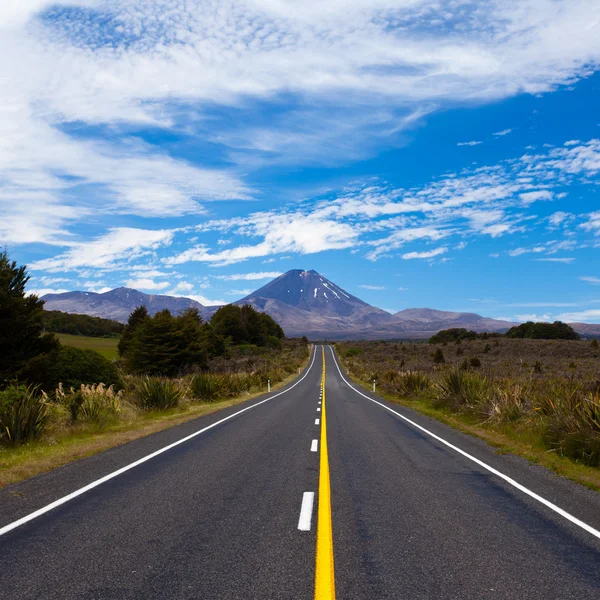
(307, 302)
(310, 291)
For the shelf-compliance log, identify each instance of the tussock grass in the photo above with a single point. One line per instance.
(544, 391)
(73, 423)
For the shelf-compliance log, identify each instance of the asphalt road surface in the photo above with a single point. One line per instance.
(405, 508)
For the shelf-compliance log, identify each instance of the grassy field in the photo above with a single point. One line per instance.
(536, 398)
(107, 347)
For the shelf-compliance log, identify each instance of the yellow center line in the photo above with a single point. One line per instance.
(324, 574)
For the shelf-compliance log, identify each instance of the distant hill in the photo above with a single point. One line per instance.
(118, 303)
(303, 303)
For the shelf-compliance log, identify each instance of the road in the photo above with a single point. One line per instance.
(405, 508)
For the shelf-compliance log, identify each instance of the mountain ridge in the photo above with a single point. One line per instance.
(303, 303)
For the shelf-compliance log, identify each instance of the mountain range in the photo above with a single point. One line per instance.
(303, 303)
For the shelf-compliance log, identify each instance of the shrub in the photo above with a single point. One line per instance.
(452, 335)
(572, 422)
(353, 352)
(474, 362)
(459, 388)
(538, 367)
(72, 367)
(94, 403)
(438, 356)
(413, 382)
(507, 404)
(594, 344)
(24, 414)
(207, 387)
(159, 394)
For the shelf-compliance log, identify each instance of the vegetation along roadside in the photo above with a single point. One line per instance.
(532, 396)
(61, 402)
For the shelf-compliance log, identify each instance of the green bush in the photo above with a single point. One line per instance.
(452, 335)
(159, 394)
(24, 414)
(438, 356)
(207, 387)
(353, 352)
(72, 367)
(412, 382)
(543, 331)
(474, 362)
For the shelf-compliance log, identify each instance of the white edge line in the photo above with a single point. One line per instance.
(306, 510)
(509, 480)
(314, 446)
(97, 482)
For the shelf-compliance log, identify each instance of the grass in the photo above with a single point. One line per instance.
(548, 415)
(64, 446)
(107, 347)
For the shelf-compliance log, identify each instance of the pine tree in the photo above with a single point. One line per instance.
(21, 322)
(136, 318)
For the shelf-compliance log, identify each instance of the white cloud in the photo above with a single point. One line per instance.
(584, 316)
(39, 292)
(428, 254)
(373, 287)
(503, 132)
(567, 260)
(591, 279)
(120, 244)
(303, 234)
(530, 197)
(559, 217)
(249, 276)
(240, 293)
(593, 223)
(125, 65)
(147, 284)
(473, 143)
(545, 318)
(184, 286)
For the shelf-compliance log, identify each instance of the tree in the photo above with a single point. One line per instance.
(452, 335)
(543, 331)
(167, 345)
(227, 322)
(136, 318)
(21, 322)
(245, 325)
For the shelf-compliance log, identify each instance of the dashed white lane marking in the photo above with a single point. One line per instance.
(308, 499)
(318, 410)
(314, 446)
(509, 480)
(317, 421)
(97, 482)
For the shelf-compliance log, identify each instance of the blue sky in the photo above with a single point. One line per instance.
(420, 154)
